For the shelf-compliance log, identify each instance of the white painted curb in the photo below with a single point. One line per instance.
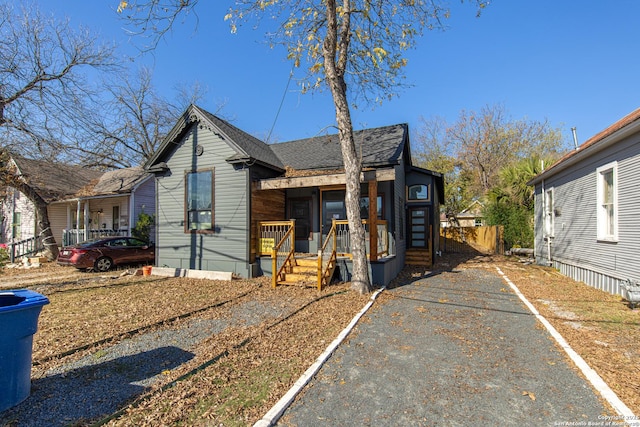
(624, 413)
(278, 409)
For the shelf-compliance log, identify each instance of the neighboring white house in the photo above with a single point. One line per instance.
(81, 202)
(587, 205)
(110, 207)
(50, 181)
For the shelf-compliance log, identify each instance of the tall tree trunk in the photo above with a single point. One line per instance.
(334, 71)
(44, 227)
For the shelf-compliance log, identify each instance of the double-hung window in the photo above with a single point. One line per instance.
(199, 201)
(607, 194)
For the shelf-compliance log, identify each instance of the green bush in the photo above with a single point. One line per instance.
(142, 229)
(517, 221)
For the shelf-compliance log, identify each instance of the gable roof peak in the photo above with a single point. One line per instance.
(247, 147)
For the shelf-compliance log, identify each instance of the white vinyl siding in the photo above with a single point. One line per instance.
(607, 196)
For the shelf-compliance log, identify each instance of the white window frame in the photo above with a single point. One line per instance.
(549, 216)
(607, 220)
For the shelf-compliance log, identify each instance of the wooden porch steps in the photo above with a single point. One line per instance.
(421, 257)
(303, 273)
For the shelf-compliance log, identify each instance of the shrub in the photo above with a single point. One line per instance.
(517, 221)
(142, 229)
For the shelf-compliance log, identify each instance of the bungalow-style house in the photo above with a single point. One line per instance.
(586, 209)
(227, 201)
(109, 206)
(81, 202)
(471, 216)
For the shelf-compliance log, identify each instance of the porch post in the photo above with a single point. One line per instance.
(373, 220)
(77, 230)
(86, 220)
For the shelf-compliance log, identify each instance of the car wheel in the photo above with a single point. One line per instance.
(103, 264)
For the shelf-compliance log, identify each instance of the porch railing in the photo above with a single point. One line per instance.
(327, 257)
(344, 238)
(270, 233)
(71, 237)
(24, 247)
(282, 257)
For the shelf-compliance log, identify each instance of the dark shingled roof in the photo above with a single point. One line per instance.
(56, 181)
(379, 147)
(250, 146)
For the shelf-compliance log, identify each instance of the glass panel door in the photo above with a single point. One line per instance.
(418, 228)
(333, 207)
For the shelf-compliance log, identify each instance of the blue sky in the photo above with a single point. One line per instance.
(574, 63)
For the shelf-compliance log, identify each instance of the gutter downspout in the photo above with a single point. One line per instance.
(545, 220)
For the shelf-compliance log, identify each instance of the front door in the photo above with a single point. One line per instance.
(418, 228)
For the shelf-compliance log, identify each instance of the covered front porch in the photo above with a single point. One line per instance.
(87, 218)
(301, 235)
(277, 253)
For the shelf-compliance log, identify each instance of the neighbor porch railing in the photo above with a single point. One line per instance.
(24, 247)
(344, 238)
(71, 237)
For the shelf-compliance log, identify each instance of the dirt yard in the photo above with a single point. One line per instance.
(235, 376)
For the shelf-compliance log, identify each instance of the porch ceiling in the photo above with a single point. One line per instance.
(323, 180)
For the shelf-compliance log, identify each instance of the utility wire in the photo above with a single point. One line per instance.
(286, 89)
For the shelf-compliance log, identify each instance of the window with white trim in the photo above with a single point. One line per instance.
(548, 213)
(607, 194)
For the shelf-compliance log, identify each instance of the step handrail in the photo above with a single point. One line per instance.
(325, 270)
(282, 258)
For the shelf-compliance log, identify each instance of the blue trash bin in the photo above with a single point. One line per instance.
(19, 312)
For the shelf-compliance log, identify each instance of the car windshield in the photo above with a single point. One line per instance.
(90, 242)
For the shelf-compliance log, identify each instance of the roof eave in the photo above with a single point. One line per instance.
(250, 161)
(583, 153)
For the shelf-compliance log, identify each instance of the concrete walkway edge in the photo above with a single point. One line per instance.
(278, 409)
(625, 414)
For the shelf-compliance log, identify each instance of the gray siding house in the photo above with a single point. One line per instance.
(587, 205)
(226, 200)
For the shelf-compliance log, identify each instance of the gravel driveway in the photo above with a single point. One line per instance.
(456, 349)
(99, 384)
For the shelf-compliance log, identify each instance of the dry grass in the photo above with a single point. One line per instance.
(81, 314)
(599, 326)
(234, 377)
(237, 375)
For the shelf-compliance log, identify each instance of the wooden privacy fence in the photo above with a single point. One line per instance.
(486, 240)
